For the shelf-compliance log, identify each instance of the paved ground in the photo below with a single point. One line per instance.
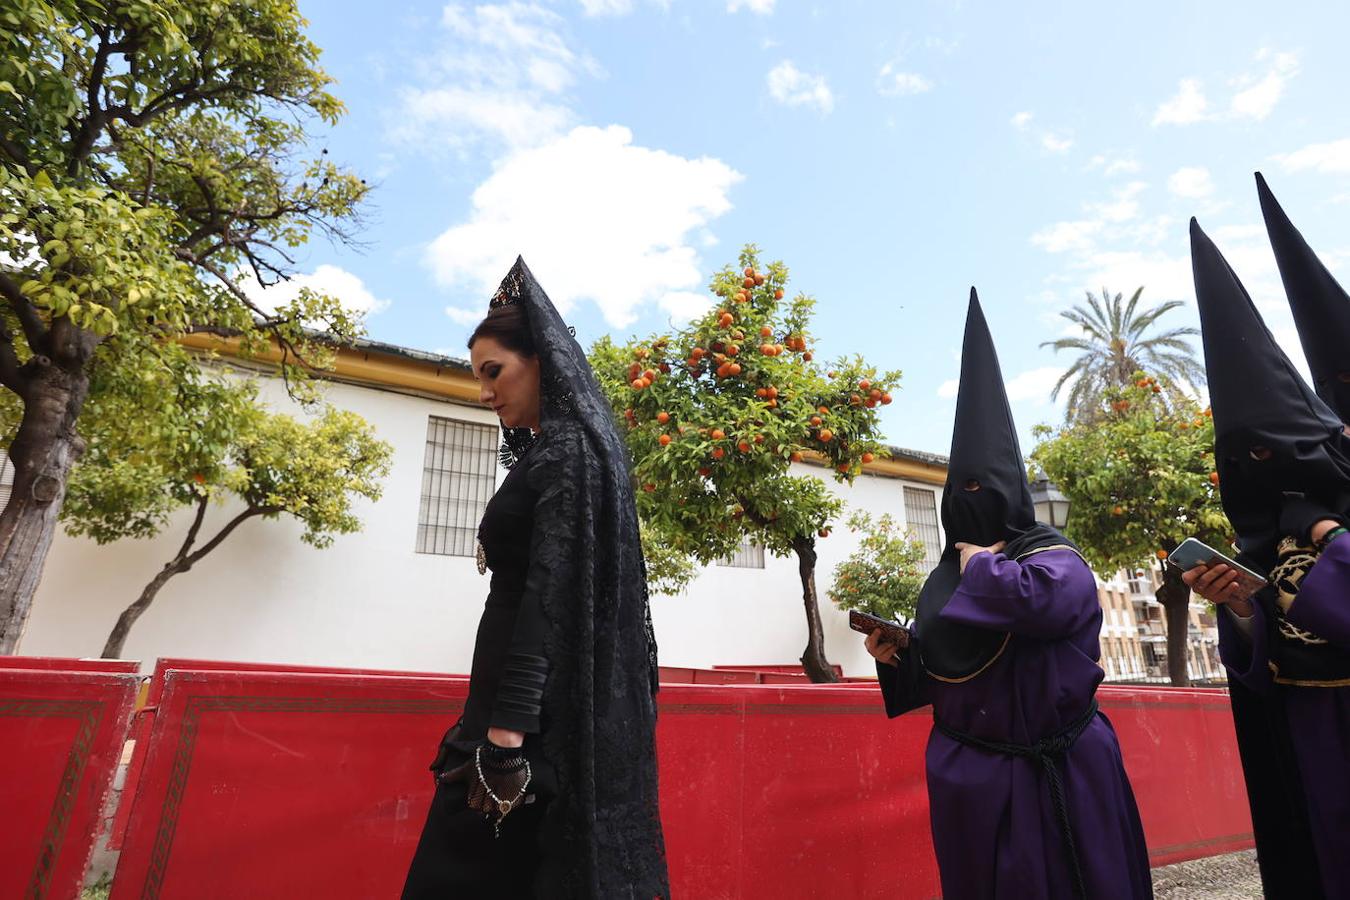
(1232, 876)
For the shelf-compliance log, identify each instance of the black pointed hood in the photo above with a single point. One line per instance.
(1321, 306)
(984, 450)
(1260, 401)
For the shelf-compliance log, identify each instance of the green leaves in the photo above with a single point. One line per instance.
(715, 414)
(885, 574)
(1140, 480)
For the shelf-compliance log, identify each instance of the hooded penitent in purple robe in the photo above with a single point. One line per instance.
(1027, 791)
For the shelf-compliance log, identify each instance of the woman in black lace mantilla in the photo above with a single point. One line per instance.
(547, 787)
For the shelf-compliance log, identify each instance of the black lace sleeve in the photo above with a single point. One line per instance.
(520, 695)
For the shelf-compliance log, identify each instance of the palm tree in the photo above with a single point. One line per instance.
(1115, 345)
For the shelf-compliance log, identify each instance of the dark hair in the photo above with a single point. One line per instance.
(509, 326)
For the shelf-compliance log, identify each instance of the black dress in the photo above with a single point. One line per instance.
(458, 856)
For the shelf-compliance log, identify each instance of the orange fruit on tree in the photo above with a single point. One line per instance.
(864, 385)
(748, 282)
(1213, 477)
(816, 421)
(743, 446)
(759, 279)
(732, 350)
(1162, 554)
(843, 467)
(796, 456)
(697, 352)
(807, 356)
(1118, 511)
(773, 391)
(734, 368)
(885, 398)
(637, 384)
(749, 272)
(778, 294)
(765, 331)
(829, 374)
(761, 392)
(664, 439)
(663, 417)
(705, 471)
(650, 374)
(766, 349)
(718, 453)
(741, 297)
(773, 404)
(717, 434)
(868, 457)
(854, 399)
(826, 435)
(875, 394)
(823, 410)
(759, 439)
(824, 532)
(649, 487)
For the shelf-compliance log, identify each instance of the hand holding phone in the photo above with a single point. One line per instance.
(1192, 553)
(866, 623)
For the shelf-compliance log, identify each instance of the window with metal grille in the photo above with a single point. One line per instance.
(459, 474)
(922, 518)
(748, 555)
(6, 479)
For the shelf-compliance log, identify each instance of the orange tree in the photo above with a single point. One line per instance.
(1141, 479)
(717, 412)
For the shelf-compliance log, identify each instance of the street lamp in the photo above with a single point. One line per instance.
(1052, 507)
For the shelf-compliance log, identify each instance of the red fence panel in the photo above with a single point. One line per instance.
(297, 784)
(69, 664)
(261, 784)
(1182, 758)
(62, 733)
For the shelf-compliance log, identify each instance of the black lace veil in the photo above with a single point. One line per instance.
(599, 708)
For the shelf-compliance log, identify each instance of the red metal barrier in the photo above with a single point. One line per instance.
(145, 715)
(267, 784)
(64, 664)
(62, 732)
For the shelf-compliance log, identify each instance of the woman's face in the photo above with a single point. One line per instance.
(508, 383)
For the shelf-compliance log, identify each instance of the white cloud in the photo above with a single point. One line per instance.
(1329, 158)
(758, 7)
(606, 7)
(1123, 205)
(1114, 166)
(684, 306)
(1064, 236)
(465, 317)
(891, 83)
(1021, 120)
(499, 76)
(1033, 384)
(596, 217)
(1056, 144)
(947, 390)
(1186, 107)
(346, 288)
(1255, 95)
(459, 116)
(1258, 100)
(1191, 182)
(793, 87)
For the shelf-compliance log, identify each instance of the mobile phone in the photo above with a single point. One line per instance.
(1193, 552)
(866, 623)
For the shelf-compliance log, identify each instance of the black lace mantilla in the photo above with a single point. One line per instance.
(599, 710)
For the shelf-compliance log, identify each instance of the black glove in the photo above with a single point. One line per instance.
(1298, 515)
(497, 778)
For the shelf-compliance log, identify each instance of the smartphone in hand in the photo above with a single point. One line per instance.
(866, 623)
(1193, 552)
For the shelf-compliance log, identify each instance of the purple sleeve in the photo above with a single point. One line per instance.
(1323, 603)
(1050, 595)
(1247, 656)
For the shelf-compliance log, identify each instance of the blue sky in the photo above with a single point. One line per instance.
(892, 154)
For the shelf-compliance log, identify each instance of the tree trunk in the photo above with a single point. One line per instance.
(1175, 598)
(117, 638)
(43, 452)
(817, 667)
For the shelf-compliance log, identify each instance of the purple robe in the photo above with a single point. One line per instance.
(994, 824)
(1319, 717)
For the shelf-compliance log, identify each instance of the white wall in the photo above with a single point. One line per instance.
(371, 601)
